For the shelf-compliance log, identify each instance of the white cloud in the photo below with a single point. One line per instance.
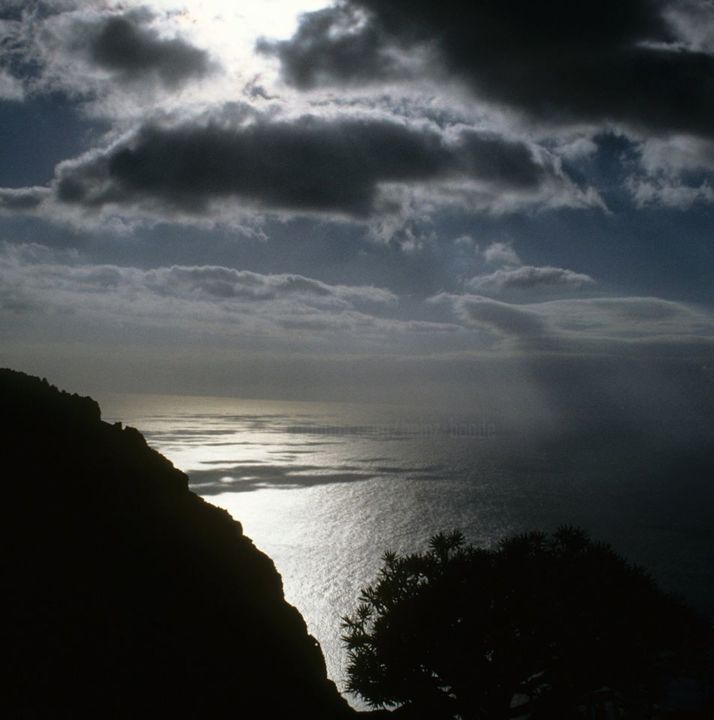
(669, 193)
(673, 172)
(692, 20)
(10, 87)
(38, 285)
(52, 40)
(529, 277)
(466, 242)
(500, 253)
(222, 283)
(581, 147)
(676, 154)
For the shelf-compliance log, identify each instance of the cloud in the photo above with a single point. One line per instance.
(673, 172)
(10, 87)
(335, 44)
(692, 20)
(131, 51)
(310, 164)
(634, 309)
(222, 283)
(502, 318)
(59, 294)
(15, 42)
(22, 199)
(502, 161)
(597, 325)
(343, 166)
(666, 192)
(529, 277)
(578, 149)
(621, 61)
(501, 253)
(515, 278)
(110, 59)
(675, 155)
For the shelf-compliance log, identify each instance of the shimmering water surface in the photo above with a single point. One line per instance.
(325, 489)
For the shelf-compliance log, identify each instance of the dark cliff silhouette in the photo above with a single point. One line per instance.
(124, 594)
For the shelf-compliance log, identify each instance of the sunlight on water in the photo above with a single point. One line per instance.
(324, 489)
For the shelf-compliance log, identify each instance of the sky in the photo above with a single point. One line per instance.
(507, 206)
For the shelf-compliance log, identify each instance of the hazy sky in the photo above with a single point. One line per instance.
(369, 199)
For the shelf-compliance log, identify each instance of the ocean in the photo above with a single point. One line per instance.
(326, 488)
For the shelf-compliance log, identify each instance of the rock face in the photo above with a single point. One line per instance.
(126, 595)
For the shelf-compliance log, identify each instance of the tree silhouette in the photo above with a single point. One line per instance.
(540, 627)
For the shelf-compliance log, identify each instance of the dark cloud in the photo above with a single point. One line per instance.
(500, 160)
(309, 164)
(616, 60)
(333, 45)
(55, 48)
(124, 45)
(11, 11)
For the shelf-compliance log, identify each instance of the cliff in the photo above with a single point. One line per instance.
(126, 595)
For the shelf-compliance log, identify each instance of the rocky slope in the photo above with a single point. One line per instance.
(126, 595)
